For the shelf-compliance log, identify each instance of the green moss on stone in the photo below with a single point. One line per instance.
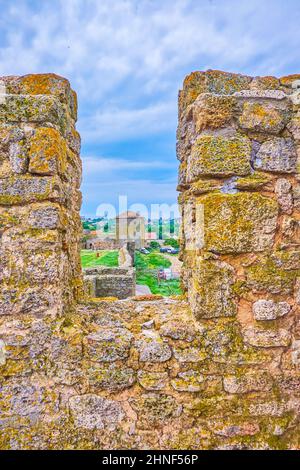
(238, 223)
(219, 156)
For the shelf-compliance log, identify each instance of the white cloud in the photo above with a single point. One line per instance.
(94, 165)
(141, 191)
(128, 57)
(116, 123)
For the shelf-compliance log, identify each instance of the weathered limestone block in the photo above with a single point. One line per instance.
(23, 400)
(152, 348)
(211, 293)
(261, 93)
(184, 354)
(294, 126)
(109, 345)
(263, 117)
(26, 299)
(268, 408)
(212, 81)
(2, 353)
(47, 152)
(267, 338)
(295, 352)
(211, 111)
(283, 189)
(290, 232)
(152, 380)
(46, 216)
(296, 195)
(257, 180)
(219, 156)
(24, 189)
(36, 109)
(190, 381)
(111, 377)
(238, 223)
(94, 412)
(179, 330)
(233, 429)
(43, 84)
(289, 383)
(271, 274)
(155, 409)
(258, 381)
(269, 310)
(277, 155)
(13, 149)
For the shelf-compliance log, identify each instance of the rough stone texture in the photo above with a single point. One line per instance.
(283, 189)
(219, 371)
(219, 156)
(277, 155)
(267, 338)
(109, 345)
(263, 117)
(93, 412)
(152, 349)
(238, 223)
(238, 143)
(246, 383)
(110, 282)
(211, 295)
(39, 191)
(270, 310)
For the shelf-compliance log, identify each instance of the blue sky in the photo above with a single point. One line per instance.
(127, 59)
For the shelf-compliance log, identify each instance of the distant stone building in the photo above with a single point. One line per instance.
(130, 226)
(100, 244)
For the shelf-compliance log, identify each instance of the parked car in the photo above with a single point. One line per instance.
(173, 251)
(144, 251)
(164, 250)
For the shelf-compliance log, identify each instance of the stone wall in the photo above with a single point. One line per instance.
(153, 373)
(116, 282)
(126, 256)
(40, 174)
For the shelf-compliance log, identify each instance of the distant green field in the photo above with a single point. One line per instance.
(144, 266)
(154, 261)
(165, 288)
(151, 261)
(106, 258)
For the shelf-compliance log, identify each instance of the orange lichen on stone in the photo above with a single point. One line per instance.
(48, 152)
(289, 79)
(262, 117)
(44, 84)
(212, 81)
(212, 111)
(138, 298)
(265, 83)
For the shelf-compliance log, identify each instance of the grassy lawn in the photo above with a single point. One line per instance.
(106, 258)
(155, 261)
(165, 288)
(151, 261)
(144, 265)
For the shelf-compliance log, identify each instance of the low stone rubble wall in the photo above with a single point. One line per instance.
(110, 282)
